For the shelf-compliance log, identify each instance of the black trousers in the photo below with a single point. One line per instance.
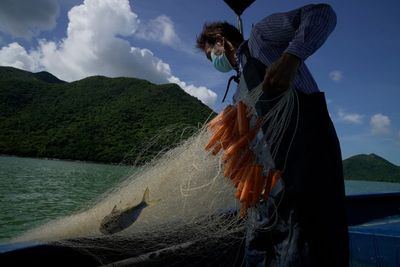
(309, 226)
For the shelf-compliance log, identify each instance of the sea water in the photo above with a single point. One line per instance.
(35, 191)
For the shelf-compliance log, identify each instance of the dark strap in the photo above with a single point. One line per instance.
(245, 49)
(253, 70)
(236, 78)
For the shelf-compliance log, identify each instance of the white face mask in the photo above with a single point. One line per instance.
(221, 62)
(219, 59)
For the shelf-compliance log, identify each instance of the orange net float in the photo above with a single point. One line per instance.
(231, 133)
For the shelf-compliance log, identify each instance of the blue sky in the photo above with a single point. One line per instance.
(357, 67)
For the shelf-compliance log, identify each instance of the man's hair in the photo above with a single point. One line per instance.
(210, 30)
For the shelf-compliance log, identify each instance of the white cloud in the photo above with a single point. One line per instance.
(93, 46)
(207, 96)
(160, 29)
(352, 118)
(16, 56)
(336, 75)
(380, 124)
(21, 18)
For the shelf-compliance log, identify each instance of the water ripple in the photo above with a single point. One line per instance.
(33, 191)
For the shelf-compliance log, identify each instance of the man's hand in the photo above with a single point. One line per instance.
(280, 74)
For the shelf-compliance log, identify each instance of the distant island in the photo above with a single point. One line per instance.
(370, 168)
(114, 120)
(99, 119)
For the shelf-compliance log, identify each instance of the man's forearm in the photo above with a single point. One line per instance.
(281, 73)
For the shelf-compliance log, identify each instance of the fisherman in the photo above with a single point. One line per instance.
(309, 227)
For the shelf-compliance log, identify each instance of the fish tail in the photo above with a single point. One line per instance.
(145, 198)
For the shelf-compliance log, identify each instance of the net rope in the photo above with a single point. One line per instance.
(197, 204)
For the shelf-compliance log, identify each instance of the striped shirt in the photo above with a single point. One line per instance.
(299, 32)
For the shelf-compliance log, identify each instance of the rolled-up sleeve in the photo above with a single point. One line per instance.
(313, 25)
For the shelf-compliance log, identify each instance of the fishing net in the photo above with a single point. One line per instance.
(194, 207)
(195, 217)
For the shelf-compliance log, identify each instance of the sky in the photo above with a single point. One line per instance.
(357, 67)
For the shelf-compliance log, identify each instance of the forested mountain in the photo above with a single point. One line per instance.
(370, 167)
(114, 120)
(95, 119)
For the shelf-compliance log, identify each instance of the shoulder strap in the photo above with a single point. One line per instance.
(253, 70)
(245, 49)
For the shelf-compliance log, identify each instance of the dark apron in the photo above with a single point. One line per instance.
(309, 227)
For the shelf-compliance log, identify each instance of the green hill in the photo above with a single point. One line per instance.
(370, 167)
(95, 119)
(114, 120)
(10, 73)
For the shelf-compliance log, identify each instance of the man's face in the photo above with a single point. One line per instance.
(207, 50)
(222, 45)
(218, 49)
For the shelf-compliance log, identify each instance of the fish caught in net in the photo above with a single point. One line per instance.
(190, 209)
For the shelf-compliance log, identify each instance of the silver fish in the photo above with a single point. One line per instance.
(119, 220)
